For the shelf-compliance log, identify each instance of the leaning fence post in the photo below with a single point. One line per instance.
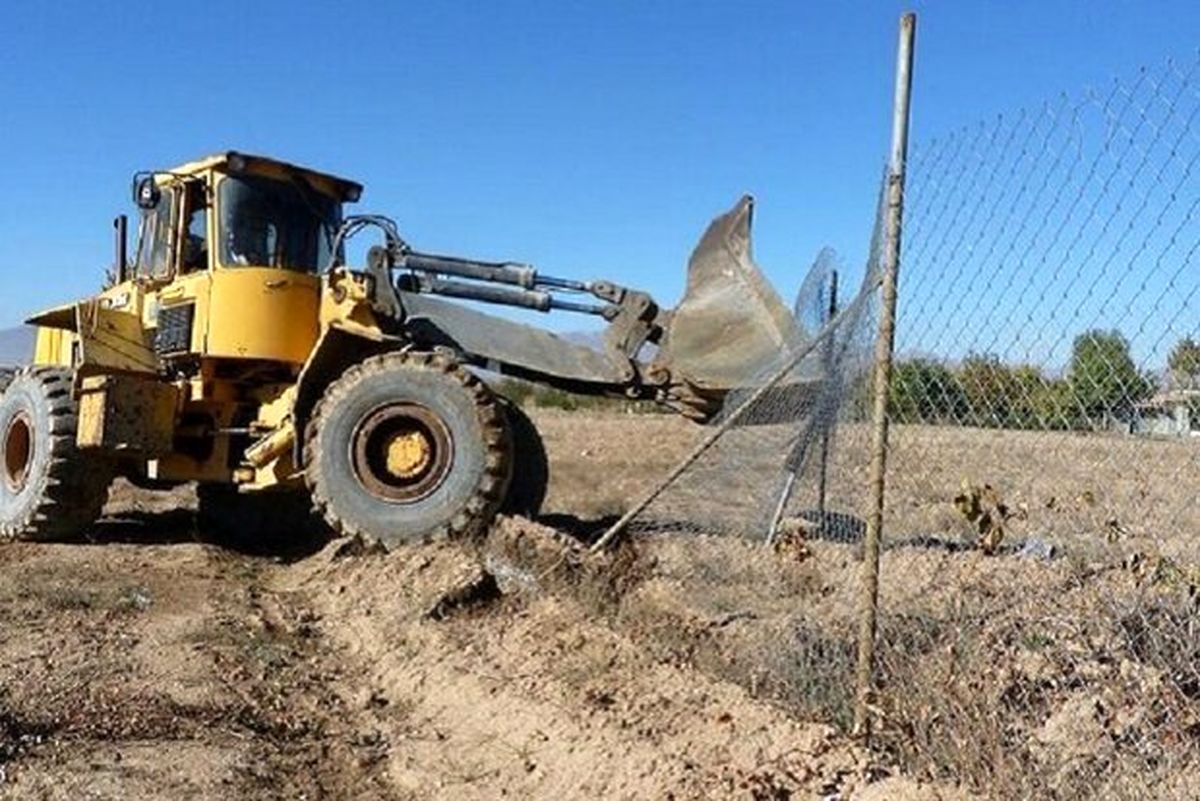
(884, 344)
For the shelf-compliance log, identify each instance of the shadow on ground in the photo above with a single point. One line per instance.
(180, 526)
(585, 529)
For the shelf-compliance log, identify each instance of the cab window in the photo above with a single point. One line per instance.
(276, 223)
(155, 238)
(195, 245)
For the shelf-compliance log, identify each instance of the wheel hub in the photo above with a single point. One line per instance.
(401, 452)
(408, 454)
(18, 451)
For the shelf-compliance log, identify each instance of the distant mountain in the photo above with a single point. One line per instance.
(16, 345)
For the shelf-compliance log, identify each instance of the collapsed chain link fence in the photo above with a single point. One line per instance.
(1039, 611)
(761, 476)
(782, 473)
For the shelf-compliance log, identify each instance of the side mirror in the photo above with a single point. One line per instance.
(146, 193)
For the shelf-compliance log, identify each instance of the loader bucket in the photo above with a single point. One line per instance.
(731, 324)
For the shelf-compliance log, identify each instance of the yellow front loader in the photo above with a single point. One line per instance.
(235, 348)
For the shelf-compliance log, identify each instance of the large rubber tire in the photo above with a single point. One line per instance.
(531, 466)
(465, 464)
(267, 521)
(48, 488)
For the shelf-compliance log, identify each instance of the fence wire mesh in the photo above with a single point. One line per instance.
(1039, 617)
(784, 479)
(767, 471)
(1039, 610)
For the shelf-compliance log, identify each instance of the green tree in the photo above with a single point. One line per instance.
(1184, 361)
(987, 388)
(925, 391)
(1054, 407)
(999, 395)
(1029, 383)
(1103, 377)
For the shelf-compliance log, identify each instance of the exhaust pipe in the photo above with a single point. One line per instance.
(121, 248)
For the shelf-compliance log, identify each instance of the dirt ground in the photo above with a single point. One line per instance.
(148, 662)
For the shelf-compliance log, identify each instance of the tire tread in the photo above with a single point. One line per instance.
(74, 488)
(487, 496)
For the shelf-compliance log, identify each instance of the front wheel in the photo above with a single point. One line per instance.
(405, 448)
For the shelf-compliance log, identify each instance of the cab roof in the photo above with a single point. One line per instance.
(233, 161)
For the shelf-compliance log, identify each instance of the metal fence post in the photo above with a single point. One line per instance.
(883, 374)
(826, 425)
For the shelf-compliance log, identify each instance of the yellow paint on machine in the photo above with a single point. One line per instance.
(130, 412)
(261, 313)
(112, 340)
(53, 346)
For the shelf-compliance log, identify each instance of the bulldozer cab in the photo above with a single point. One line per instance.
(224, 265)
(227, 256)
(233, 211)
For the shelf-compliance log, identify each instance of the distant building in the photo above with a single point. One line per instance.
(1172, 413)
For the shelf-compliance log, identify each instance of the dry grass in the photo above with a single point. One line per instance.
(1021, 676)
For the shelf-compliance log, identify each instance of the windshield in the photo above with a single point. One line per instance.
(270, 223)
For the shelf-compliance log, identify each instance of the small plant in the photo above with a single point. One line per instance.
(134, 599)
(1036, 641)
(68, 598)
(984, 509)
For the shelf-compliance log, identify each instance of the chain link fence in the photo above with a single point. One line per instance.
(1038, 611)
(778, 475)
(1039, 620)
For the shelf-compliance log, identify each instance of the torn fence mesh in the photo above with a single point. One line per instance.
(777, 464)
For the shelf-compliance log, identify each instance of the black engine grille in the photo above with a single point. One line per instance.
(174, 329)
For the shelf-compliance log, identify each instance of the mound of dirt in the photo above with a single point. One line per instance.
(533, 696)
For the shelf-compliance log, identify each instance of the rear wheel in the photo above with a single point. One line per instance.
(407, 447)
(48, 488)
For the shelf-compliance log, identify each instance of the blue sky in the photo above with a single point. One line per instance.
(591, 139)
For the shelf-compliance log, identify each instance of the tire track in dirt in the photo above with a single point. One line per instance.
(146, 665)
(165, 670)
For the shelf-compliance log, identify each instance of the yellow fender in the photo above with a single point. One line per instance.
(342, 343)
